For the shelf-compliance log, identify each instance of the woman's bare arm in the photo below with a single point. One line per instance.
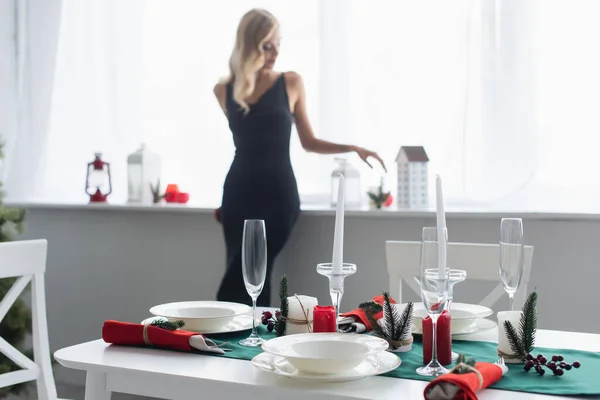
(306, 134)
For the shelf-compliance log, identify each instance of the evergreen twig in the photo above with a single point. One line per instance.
(375, 327)
(514, 340)
(372, 306)
(528, 325)
(461, 361)
(404, 323)
(168, 325)
(283, 297)
(395, 326)
(391, 316)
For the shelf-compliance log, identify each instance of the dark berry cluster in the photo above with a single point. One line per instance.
(557, 365)
(270, 321)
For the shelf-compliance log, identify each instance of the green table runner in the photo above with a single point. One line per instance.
(582, 381)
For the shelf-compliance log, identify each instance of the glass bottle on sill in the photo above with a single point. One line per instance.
(352, 176)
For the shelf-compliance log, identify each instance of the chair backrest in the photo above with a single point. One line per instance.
(26, 261)
(479, 260)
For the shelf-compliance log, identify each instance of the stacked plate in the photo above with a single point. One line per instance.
(326, 357)
(210, 317)
(466, 318)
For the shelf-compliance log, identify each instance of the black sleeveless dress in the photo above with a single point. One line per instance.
(260, 184)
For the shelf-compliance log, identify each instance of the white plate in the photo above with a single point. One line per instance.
(238, 324)
(201, 316)
(325, 353)
(480, 325)
(379, 363)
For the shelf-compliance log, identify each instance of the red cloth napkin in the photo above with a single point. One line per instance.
(463, 386)
(360, 315)
(126, 333)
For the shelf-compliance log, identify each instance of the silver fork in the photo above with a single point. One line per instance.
(502, 365)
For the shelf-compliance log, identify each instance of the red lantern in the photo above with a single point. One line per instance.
(98, 183)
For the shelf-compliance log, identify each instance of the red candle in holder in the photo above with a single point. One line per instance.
(444, 339)
(324, 319)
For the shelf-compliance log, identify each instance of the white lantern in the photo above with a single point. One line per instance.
(143, 170)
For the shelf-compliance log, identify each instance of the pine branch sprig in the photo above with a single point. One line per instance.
(396, 326)
(375, 327)
(528, 323)
(168, 325)
(514, 340)
(405, 322)
(283, 297)
(372, 306)
(391, 316)
(462, 364)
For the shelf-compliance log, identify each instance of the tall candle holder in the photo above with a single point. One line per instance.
(336, 282)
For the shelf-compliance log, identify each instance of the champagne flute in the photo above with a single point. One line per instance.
(434, 293)
(512, 256)
(254, 269)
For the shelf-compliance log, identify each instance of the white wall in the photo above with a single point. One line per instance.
(111, 264)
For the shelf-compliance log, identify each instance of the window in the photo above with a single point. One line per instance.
(450, 76)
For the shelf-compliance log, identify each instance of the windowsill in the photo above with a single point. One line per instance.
(325, 210)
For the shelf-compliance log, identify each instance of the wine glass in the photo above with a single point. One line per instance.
(434, 293)
(512, 256)
(254, 269)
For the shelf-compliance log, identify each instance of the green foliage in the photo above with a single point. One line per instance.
(156, 195)
(372, 306)
(396, 326)
(16, 325)
(462, 364)
(379, 198)
(283, 297)
(168, 325)
(528, 325)
(522, 342)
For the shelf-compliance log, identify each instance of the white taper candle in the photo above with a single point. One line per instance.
(338, 235)
(441, 225)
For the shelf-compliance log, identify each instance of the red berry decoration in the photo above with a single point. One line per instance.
(558, 366)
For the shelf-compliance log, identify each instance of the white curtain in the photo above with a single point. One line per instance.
(31, 52)
(496, 91)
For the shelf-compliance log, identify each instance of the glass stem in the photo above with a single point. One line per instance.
(336, 298)
(434, 359)
(511, 298)
(254, 317)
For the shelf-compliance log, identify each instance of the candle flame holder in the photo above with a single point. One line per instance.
(336, 282)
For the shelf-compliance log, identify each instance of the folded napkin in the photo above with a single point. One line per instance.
(357, 321)
(125, 333)
(464, 386)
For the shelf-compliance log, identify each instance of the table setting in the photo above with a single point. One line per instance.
(306, 340)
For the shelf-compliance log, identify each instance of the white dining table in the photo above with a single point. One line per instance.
(184, 376)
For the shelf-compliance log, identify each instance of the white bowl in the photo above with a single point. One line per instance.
(464, 316)
(201, 316)
(325, 353)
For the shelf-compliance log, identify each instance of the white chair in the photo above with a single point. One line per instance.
(479, 260)
(27, 261)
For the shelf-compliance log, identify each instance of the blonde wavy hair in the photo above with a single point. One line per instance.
(254, 29)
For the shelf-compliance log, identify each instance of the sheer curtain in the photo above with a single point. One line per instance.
(186, 51)
(501, 93)
(28, 40)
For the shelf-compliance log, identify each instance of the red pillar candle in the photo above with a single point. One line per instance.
(444, 339)
(324, 319)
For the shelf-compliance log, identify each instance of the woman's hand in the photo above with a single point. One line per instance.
(364, 154)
